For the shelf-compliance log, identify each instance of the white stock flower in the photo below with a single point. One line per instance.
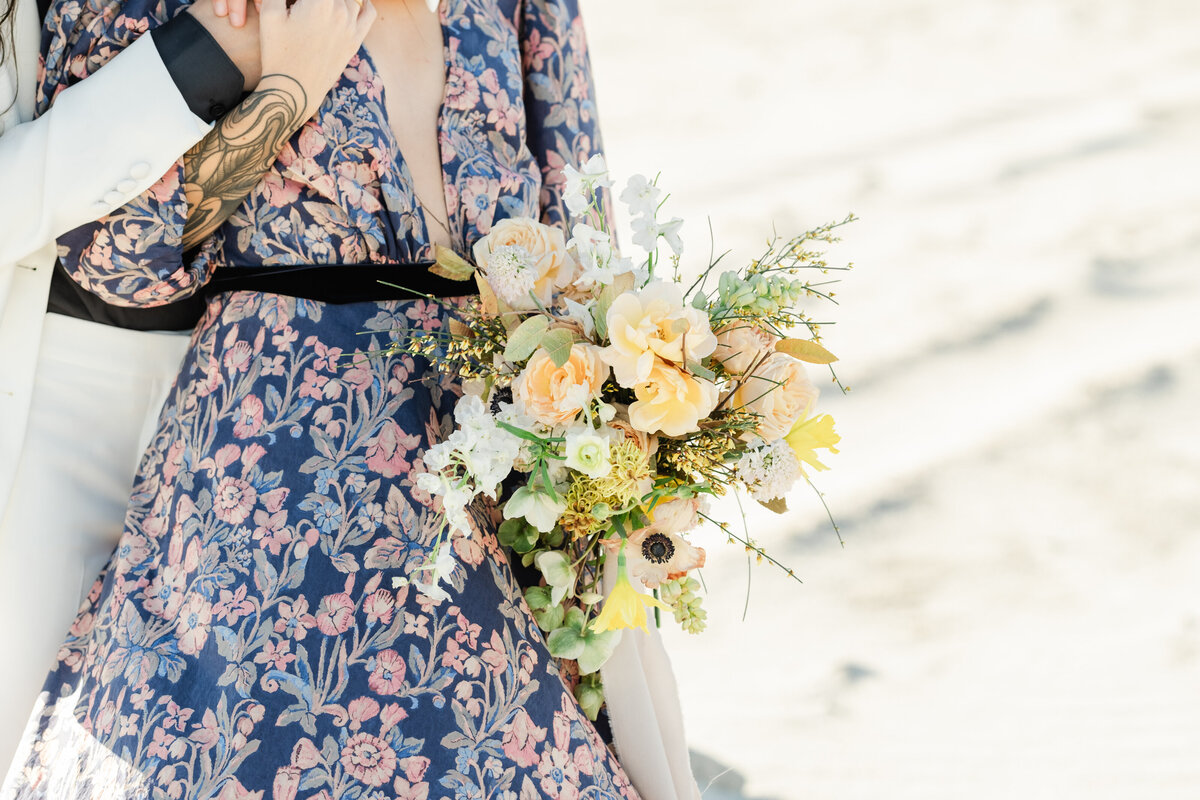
(581, 183)
(438, 569)
(598, 261)
(587, 452)
(641, 196)
(538, 508)
(647, 231)
(581, 313)
(769, 471)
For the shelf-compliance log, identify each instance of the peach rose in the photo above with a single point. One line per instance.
(671, 401)
(554, 396)
(653, 323)
(646, 442)
(779, 391)
(677, 515)
(740, 345)
(542, 250)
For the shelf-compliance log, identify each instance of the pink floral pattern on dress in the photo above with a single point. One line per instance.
(252, 637)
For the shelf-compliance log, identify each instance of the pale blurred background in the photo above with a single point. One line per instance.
(1016, 612)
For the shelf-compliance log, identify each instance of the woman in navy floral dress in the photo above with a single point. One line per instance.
(249, 638)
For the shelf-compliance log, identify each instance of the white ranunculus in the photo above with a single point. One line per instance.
(587, 452)
(538, 508)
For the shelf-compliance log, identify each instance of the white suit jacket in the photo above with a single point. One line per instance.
(106, 140)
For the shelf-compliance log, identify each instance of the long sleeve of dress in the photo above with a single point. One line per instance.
(560, 103)
(134, 255)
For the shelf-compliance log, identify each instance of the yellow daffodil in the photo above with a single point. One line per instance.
(625, 606)
(809, 434)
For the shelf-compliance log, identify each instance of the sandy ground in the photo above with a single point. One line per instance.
(1016, 612)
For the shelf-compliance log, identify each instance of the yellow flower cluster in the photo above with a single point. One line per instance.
(629, 479)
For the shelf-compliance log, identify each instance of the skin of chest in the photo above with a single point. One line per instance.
(406, 46)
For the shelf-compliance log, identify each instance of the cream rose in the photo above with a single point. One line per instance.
(651, 324)
(672, 402)
(554, 396)
(541, 249)
(740, 345)
(778, 391)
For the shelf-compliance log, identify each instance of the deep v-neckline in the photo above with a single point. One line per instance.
(400, 162)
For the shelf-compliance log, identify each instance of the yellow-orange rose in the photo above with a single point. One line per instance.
(671, 401)
(646, 442)
(542, 250)
(778, 391)
(554, 396)
(653, 323)
(741, 344)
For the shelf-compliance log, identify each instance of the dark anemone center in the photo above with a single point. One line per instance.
(657, 548)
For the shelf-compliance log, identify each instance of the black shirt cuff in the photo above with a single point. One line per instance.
(209, 81)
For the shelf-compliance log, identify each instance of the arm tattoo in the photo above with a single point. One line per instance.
(221, 170)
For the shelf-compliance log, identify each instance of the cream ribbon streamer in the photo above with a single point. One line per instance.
(644, 711)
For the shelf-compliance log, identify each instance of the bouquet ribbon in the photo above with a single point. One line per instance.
(645, 714)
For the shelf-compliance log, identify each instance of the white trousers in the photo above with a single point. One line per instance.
(96, 398)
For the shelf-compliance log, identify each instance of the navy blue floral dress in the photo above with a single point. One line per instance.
(249, 639)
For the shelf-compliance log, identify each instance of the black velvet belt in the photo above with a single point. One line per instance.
(327, 283)
(340, 283)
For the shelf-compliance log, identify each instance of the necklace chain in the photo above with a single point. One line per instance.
(428, 213)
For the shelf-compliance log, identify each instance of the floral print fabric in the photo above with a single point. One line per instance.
(518, 105)
(252, 637)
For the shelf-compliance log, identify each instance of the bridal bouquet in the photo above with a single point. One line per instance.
(623, 400)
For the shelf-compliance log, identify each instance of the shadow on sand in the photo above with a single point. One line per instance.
(719, 781)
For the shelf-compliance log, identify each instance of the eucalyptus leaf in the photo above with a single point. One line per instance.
(701, 371)
(805, 350)
(557, 344)
(700, 302)
(526, 338)
(778, 505)
(451, 265)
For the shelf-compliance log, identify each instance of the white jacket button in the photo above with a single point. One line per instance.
(114, 198)
(139, 170)
(126, 186)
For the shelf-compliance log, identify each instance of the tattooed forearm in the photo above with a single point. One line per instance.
(231, 160)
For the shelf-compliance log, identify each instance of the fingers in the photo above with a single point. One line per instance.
(237, 12)
(221, 7)
(366, 18)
